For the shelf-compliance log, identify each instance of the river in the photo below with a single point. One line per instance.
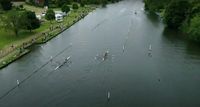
(166, 75)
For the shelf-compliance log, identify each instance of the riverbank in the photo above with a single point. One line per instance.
(179, 15)
(11, 53)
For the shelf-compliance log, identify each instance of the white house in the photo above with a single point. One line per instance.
(59, 17)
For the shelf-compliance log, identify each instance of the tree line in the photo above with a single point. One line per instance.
(59, 3)
(183, 15)
(15, 20)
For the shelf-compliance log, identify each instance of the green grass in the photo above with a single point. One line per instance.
(37, 10)
(12, 57)
(7, 38)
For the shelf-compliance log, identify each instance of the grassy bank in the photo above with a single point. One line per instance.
(5, 61)
(10, 44)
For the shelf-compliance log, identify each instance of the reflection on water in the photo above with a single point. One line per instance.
(154, 18)
(177, 38)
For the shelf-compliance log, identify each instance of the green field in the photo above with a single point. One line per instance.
(7, 38)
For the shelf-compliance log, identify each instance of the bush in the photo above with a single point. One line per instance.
(62, 2)
(194, 29)
(50, 15)
(21, 6)
(175, 13)
(104, 3)
(30, 21)
(6, 4)
(65, 8)
(82, 4)
(75, 6)
(156, 5)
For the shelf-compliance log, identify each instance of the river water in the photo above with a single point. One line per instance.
(166, 75)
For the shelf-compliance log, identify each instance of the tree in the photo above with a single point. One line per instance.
(65, 8)
(194, 29)
(156, 5)
(75, 6)
(62, 2)
(6, 4)
(30, 21)
(104, 3)
(176, 12)
(82, 4)
(12, 21)
(50, 15)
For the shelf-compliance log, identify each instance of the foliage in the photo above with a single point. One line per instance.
(104, 3)
(82, 4)
(30, 21)
(50, 15)
(60, 3)
(194, 28)
(6, 4)
(182, 14)
(12, 21)
(75, 6)
(155, 5)
(175, 13)
(65, 8)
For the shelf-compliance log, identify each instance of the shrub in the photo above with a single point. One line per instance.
(65, 8)
(194, 28)
(75, 6)
(6, 4)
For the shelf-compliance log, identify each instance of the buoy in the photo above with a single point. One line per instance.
(123, 48)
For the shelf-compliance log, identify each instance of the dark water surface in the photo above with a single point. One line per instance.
(169, 77)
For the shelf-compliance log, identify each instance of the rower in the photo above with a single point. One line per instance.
(57, 67)
(105, 55)
(51, 58)
(150, 47)
(18, 82)
(108, 96)
(66, 60)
